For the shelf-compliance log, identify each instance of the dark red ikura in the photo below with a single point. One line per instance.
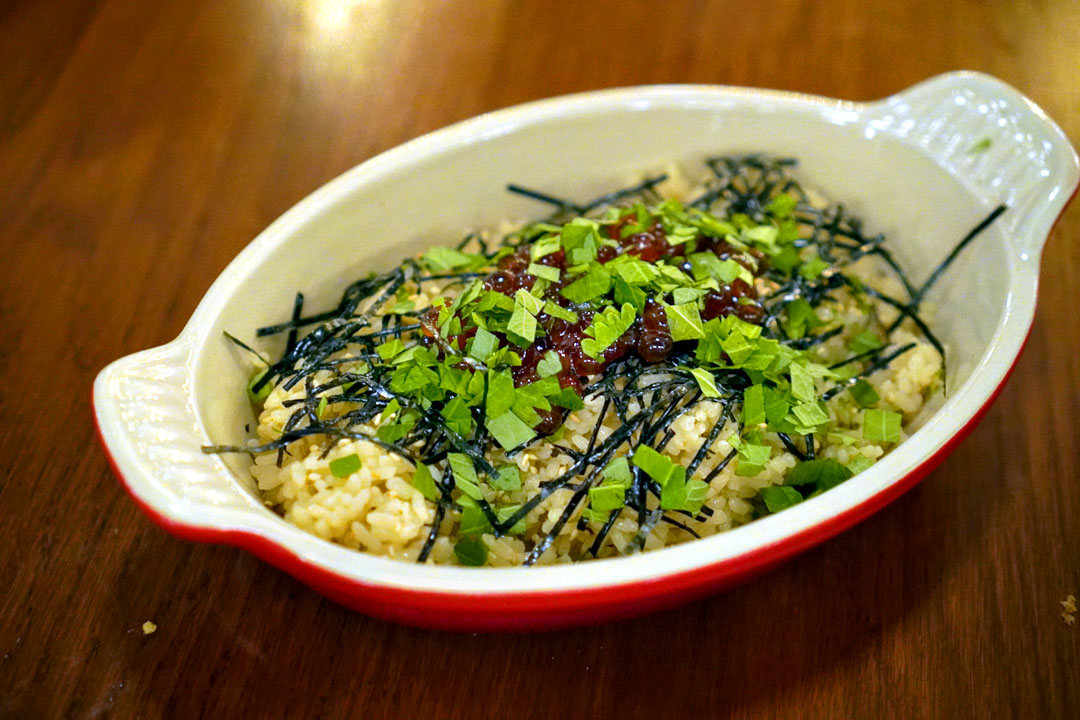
(654, 342)
(649, 245)
(729, 301)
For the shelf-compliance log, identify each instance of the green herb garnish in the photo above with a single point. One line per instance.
(780, 497)
(343, 467)
(881, 425)
(471, 551)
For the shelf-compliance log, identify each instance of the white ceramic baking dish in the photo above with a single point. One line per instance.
(922, 166)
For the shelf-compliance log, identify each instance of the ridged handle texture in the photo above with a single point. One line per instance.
(144, 404)
(995, 141)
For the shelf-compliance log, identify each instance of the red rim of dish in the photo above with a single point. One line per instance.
(554, 608)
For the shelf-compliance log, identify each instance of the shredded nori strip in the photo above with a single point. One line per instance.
(663, 391)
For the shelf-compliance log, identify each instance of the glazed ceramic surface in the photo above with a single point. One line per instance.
(923, 167)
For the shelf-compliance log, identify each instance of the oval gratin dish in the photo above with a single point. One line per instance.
(922, 166)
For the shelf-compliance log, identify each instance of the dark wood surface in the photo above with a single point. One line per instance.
(142, 144)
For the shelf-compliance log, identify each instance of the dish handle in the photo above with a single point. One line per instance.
(147, 423)
(993, 139)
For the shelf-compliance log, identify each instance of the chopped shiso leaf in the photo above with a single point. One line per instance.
(754, 406)
(500, 393)
(782, 205)
(776, 407)
(802, 382)
(607, 327)
(509, 430)
(425, 483)
(801, 318)
(707, 382)
(345, 466)
(549, 365)
(864, 394)
(680, 494)
(864, 342)
(559, 312)
(780, 497)
(810, 414)
(507, 479)
(813, 267)
(643, 307)
(465, 475)
(859, 463)
(390, 349)
(752, 458)
(822, 473)
(523, 321)
(545, 271)
(607, 497)
(882, 425)
(656, 465)
(483, 344)
(444, 258)
(545, 246)
(617, 472)
(594, 283)
(471, 551)
(474, 521)
(685, 321)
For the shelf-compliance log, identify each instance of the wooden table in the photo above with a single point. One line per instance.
(143, 144)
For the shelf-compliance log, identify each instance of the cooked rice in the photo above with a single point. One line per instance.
(377, 510)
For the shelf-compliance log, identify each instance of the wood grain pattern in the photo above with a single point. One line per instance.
(143, 144)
